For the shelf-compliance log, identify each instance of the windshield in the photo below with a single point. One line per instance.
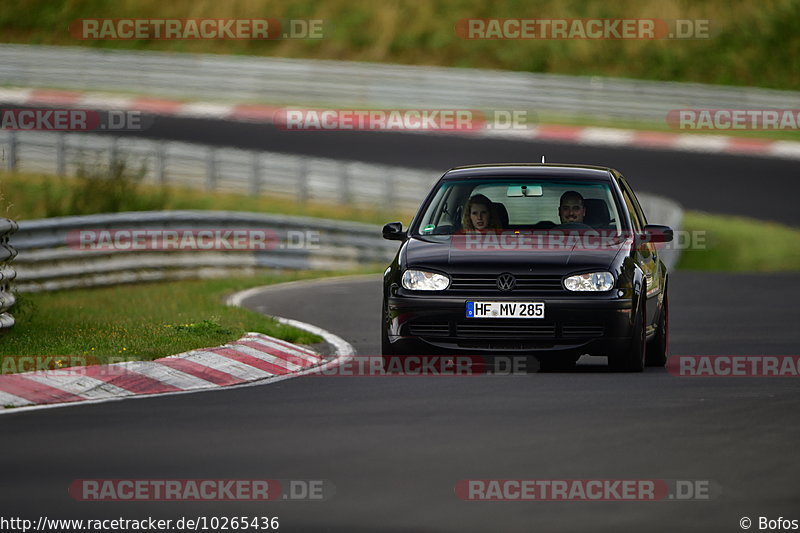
(520, 204)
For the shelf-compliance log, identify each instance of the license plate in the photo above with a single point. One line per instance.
(505, 309)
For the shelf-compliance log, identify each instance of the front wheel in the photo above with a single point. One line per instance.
(657, 347)
(633, 358)
(386, 347)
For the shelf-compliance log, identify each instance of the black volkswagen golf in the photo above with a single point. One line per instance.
(553, 261)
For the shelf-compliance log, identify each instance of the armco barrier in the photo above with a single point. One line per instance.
(303, 179)
(360, 85)
(7, 272)
(47, 260)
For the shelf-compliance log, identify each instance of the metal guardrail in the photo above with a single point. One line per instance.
(49, 261)
(7, 272)
(352, 84)
(298, 178)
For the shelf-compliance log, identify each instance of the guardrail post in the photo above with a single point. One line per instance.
(255, 176)
(344, 184)
(302, 181)
(11, 158)
(61, 155)
(211, 170)
(161, 163)
(390, 178)
(114, 154)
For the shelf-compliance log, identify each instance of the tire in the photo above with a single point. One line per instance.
(657, 347)
(633, 358)
(386, 347)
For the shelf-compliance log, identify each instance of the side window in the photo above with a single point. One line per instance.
(638, 221)
(629, 203)
(637, 205)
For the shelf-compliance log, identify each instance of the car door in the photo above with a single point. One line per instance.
(647, 254)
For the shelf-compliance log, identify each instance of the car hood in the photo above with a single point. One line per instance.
(450, 254)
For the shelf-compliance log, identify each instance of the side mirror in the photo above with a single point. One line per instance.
(393, 231)
(657, 233)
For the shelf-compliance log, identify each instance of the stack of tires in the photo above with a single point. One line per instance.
(7, 273)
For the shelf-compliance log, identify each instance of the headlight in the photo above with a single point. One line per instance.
(593, 281)
(420, 280)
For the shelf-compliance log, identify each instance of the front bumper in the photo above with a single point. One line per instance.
(598, 325)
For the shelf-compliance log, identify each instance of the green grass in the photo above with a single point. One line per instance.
(145, 321)
(140, 322)
(752, 43)
(741, 244)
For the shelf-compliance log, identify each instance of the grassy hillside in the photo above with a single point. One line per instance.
(753, 43)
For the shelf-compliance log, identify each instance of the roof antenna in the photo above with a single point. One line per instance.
(542, 158)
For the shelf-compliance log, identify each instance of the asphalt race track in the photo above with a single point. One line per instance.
(395, 447)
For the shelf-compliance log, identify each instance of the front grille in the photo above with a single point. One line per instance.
(504, 329)
(487, 283)
(582, 330)
(495, 330)
(433, 329)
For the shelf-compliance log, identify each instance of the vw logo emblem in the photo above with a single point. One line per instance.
(506, 282)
